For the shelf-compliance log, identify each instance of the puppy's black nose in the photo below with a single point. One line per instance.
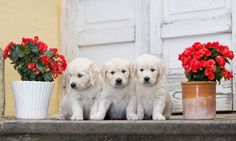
(73, 85)
(118, 81)
(146, 78)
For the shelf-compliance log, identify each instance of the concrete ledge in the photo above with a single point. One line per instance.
(176, 127)
(24, 130)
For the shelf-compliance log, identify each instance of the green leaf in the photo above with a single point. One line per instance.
(41, 67)
(48, 77)
(227, 61)
(188, 76)
(214, 52)
(49, 53)
(32, 75)
(218, 70)
(33, 48)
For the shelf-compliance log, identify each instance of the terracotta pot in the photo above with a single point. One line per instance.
(199, 100)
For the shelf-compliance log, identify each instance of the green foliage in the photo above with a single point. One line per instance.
(33, 61)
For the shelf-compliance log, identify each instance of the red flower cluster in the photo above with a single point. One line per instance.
(34, 61)
(7, 50)
(206, 61)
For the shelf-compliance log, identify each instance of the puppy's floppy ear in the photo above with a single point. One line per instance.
(104, 70)
(94, 73)
(161, 68)
(132, 70)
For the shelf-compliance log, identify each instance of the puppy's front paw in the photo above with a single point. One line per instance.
(76, 117)
(60, 117)
(132, 117)
(158, 117)
(96, 116)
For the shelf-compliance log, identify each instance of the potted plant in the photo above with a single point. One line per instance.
(204, 64)
(38, 66)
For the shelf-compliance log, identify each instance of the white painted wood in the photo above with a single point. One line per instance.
(177, 10)
(234, 47)
(156, 8)
(102, 36)
(105, 52)
(142, 36)
(183, 17)
(69, 35)
(185, 6)
(107, 10)
(68, 29)
(103, 22)
(222, 24)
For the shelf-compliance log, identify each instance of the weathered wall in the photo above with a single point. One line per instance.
(2, 86)
(27, 18)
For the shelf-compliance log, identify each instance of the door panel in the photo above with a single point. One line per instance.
(104, 27)
(185, 22)
(105, 52)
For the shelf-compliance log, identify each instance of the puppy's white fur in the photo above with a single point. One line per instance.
(117, 100)
(85, 85)
(154, 99)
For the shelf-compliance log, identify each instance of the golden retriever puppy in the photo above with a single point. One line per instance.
(154, 100)
(85, 85)
(118, 99)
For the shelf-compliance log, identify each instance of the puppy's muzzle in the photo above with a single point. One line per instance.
(118, 81)
(73, 85)
(146, 79)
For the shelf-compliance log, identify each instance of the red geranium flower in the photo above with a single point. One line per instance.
(221, 61)
(206, 62)
(31, 66)
(36, 38)
(7, 50)
(211, 76)
(34, 55)
(53, 50)
(42, 47)
(210, 63)
(45, 59)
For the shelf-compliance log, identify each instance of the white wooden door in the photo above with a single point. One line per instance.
(188, 21)
(103, 29)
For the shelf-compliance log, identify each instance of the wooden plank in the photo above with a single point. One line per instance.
(223, 96)
(103, 22)
(103, 36)
(141, 27)
(2, 85)
(213, 25)
(69, 43)
(234, 47)
(156, 9)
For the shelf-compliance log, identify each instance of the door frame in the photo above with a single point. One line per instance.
(234, 48)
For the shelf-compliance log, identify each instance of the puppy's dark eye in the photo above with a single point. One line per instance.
(141, 69)
(80, 75)
(70, 74)
(123, 71)
(112, 72)
(152, 70)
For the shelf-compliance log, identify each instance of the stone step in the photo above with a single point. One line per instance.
(220, 129)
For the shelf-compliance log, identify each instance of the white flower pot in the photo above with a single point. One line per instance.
(32, 98)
